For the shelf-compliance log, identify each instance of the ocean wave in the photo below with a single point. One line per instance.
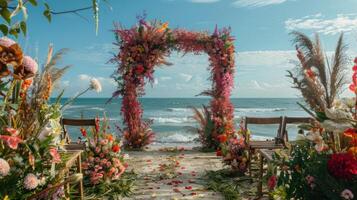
(259, 109)
(173, 120)
(177, 138)
(179, 109)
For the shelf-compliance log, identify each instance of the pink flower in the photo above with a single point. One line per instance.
(30, 181)
(6, 42)
(104, 142)
(11, 141)
(347, 194)
(56, 158)
(12, 131)
(4, 167)
(30, 65)
(310, 181)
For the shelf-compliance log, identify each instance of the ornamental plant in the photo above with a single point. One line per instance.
(29, 160)
(104, 163)
(145, 46)
(205, 129)
(322, 164)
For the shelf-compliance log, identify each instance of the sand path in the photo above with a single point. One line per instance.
(172, 174)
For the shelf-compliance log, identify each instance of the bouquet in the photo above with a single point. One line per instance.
(30, 128)
(234, 149)
(104, 164)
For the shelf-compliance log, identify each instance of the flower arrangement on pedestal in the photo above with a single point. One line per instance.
(145, 46)
(29, 161)
(104, 164)
(323, 163)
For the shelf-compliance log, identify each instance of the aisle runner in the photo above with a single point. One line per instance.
(177, 174)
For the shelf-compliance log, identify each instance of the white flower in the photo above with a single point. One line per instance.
(95, 85)
(45, 132)
(337, 114)
(333, 126)
(31, 181)
(4, 167)
(347, 194)
(318, 140)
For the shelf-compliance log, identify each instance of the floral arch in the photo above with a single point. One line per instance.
(145, 46)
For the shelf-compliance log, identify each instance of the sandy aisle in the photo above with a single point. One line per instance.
(172, 174)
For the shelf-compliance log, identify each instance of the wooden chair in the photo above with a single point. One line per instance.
(75, 148)
(293, 120)
(267, 154)
(74, 122)
(268, 144)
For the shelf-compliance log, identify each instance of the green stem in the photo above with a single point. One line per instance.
(74, 98)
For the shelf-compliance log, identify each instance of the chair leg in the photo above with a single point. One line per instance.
(80, 184)
(250, 162)
(261, 171)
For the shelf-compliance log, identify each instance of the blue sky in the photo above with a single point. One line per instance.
(261, 27)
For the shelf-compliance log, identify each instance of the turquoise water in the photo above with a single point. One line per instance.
(173, 123)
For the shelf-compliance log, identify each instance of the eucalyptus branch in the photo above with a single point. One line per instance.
(71, 11)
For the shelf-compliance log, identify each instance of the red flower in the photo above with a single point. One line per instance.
(355, 61)
(97, 127)
(342, 165)
(222, 138)
(354, 68)
(188, 187)
(116, 148)
(310, 73)
(350, 132)
(139, 69)
(84, 132)
(219, 153)
(272, 182)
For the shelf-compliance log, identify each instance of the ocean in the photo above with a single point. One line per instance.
(172, 117)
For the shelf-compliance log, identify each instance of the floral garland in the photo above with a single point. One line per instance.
(145, 46)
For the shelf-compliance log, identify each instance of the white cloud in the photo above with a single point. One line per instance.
(204, 1)
(257, 3)
(84, 77)
(250, 60)
(186, 77)
(317, 23)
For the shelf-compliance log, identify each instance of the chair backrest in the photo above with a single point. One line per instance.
(265, 121)
(294, 120)
(74, 122)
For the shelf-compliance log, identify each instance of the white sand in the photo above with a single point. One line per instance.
(190, 168)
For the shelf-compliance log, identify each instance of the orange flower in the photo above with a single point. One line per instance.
(163, 27)
(110, 137)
